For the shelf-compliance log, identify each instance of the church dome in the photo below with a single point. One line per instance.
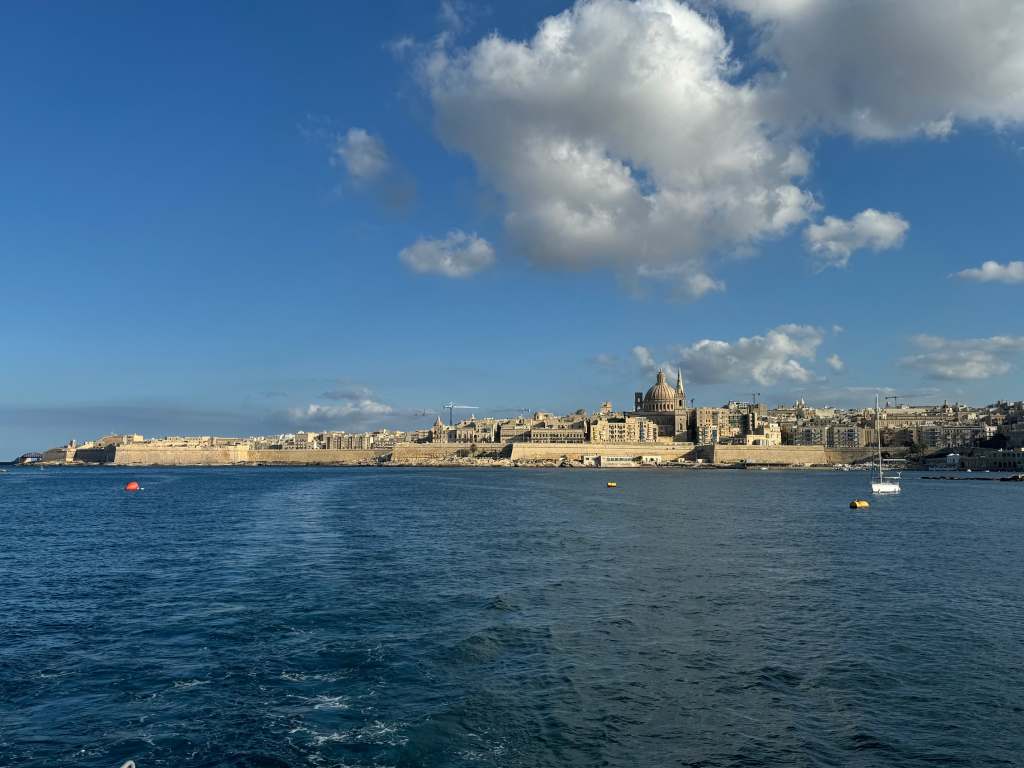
(660, 397)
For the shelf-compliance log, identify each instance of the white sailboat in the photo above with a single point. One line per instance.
(885, 483)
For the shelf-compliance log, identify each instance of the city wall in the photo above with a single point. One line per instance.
(197, 456)
(141, 455)
(412, 453)
(327, 456)
(576, 451)
(94, 455)
(790, 455)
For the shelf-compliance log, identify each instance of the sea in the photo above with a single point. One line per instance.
(507, 617)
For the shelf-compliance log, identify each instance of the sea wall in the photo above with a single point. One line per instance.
(103, 455)
(790, 455)
(414, 453)
(194, 456)
(141, 455)
(576, 451)
(327, 456)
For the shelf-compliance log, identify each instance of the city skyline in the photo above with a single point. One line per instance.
(340, 218)
(663, 413)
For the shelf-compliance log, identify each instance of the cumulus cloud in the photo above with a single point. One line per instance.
(942, 358)
(643, 357)
(458, 255)
(835, 240)
(835, 362)
(627, 134)
(691, 284)
(994, 272)
(879, 69)
(619, 136)
(781, 354)
(363, 155)
(350, 407)
(367, 163)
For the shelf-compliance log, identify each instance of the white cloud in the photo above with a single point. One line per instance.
(691, 284)
(644, 358)
(401, 46)
(994, 272)
(645, 361)
(356, 409)
(941, 358)
(627, 134)
(619, 136)
(355, 405)
(450, 14)
(363, 155)
(835, 240)
(835, 362)
(605, 360)
(778, 355)
(458, 255)
(880, 69)
(697, 284)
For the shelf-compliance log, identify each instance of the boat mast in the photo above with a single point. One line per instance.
(878, 437)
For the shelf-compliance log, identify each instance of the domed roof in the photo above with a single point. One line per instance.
(660, 396)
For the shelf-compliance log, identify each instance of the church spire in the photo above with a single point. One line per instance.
(679, 380)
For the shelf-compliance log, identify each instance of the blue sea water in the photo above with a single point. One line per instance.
(477, 617)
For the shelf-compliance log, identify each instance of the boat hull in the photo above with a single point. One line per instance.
(885, 488)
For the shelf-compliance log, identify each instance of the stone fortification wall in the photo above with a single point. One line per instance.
(411, 453)
(857, 455)
(576, 451)
(327, 456)
(182, 456)
(786, 455)
(789, 455)
(95, 455)
(141, 455)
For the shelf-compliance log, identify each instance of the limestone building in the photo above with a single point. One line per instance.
(665, 406)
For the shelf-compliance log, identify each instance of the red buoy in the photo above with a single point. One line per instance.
(132, 486)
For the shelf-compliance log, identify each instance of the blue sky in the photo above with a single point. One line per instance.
(202, 213)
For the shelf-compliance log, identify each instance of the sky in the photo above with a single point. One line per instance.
(240, 218)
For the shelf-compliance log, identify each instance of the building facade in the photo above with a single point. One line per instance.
(665, 406)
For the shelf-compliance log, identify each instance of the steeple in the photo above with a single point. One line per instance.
(679, 380)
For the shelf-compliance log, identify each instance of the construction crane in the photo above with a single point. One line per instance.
(451, 410)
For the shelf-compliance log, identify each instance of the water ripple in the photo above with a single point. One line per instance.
(364, 617)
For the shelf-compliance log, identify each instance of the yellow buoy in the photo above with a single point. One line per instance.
(859, 504)
(613, 485)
